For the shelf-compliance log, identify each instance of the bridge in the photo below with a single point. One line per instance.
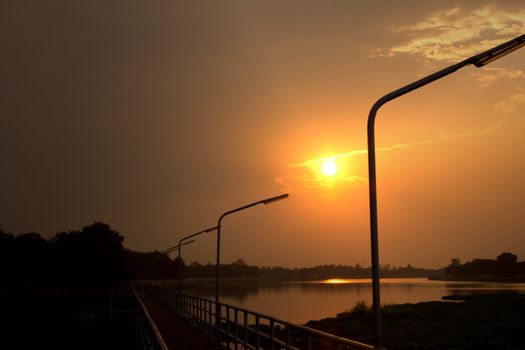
(172, 320)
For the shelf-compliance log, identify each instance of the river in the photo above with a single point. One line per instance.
(302, 301)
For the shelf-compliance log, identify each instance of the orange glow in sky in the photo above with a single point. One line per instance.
(267, 97)
(334, 171)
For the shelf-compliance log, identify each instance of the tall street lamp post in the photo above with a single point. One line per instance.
(181, 244)
(478, 60)
(217, 267)
(165, 255)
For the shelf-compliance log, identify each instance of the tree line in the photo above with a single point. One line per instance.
(95, 255)
(239, 268)
(506, 265)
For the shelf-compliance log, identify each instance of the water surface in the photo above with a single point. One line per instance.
(302, 301)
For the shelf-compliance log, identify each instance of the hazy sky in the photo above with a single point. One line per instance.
(157, 116)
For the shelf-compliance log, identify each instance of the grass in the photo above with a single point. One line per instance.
(475, 322)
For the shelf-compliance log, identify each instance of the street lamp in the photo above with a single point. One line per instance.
(217, 267)
(181, 244)
(478, 60)
(165, 254)
(264, 201)
(177, 247)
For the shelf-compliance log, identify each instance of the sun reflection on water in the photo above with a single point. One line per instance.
(337, 281)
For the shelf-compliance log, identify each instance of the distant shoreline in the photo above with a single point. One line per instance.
(275, 279)
(480, 278)
(484, 278)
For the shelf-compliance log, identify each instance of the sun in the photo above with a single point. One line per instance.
(329, 168)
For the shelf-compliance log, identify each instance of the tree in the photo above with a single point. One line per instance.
(239, 262)
(506, 264)
(177, 267)
(31, 258)
(506, 258)
(454, 267)
(6, 257)
(93, 255)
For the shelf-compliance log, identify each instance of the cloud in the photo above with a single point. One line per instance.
(511, 103)
(307, 175)
(489, 75)
(455, 34)
(309, 182)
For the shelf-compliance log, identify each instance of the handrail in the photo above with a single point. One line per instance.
(149, 327)
(238, 328)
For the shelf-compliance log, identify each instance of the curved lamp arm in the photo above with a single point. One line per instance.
(181, 244)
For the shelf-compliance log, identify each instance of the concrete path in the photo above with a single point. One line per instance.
(177, 334)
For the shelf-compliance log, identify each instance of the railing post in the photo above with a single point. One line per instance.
(186, 307)
(245, 329)
(208, 316)
(257, 339)
(201, 318)
(236, 329)
(227, 326)
(272, 334)
(193, 311)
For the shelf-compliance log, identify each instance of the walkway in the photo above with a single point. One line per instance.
(177, 334)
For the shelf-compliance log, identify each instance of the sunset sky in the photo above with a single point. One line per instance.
(158, 116)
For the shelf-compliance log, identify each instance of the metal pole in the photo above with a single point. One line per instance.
(181, 244)
(478, 60)
(180, 270)
(218, 260)
(165, 268)
(217, 268)
(155, 271)
(374, 241)
(264, 201)
(164, 256)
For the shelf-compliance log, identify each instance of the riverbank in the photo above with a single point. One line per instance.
(492, 321)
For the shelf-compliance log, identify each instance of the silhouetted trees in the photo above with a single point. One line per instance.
(505, 265)
(239, 268)
(93, 255)
(154, 265)
(6, 255)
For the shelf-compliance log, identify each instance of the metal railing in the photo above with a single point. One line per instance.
(240, 329)
(148, 335)
(122, 303)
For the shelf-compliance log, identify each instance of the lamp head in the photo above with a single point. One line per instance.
(499, 51)
(188, 242)
(275, 199)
